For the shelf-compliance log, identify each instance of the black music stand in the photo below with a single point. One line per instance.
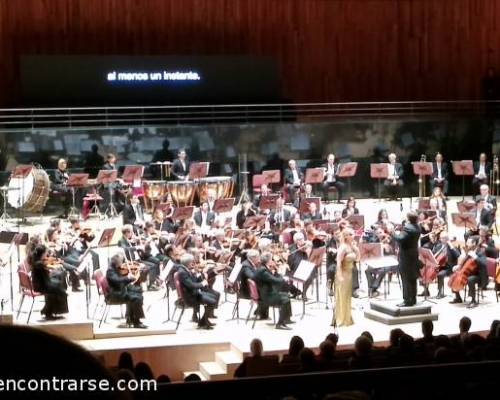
(14, 239)
(379, 171)
(463, 168)
(164, 273)
(108, 177)
(268, 202)
(348, 170)
(272, 177)
(224, 205)
(87, 265)
(106, 239)
(76, 181)
(302, 274)
(465, 220)
(232, 279)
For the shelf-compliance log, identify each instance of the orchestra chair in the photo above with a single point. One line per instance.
(236, 308)
(98, 276)
(257, 181)
(103, 289)
(491, 265)
(332, 189)
(26, 291)
(180, 302)
(255, 300)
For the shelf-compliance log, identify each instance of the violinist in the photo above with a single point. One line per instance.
(350, 208)
(484, 194)
(132, 247)
(268, 285)
(425, 224)
(123, 289)
(484, 218)
(375, 276)
(487, 244)
(439, 177)
(446, 254)
(264, 191)
(437, 202)
(155, 242)
(280, 215)
(133, 213)
(473, 259)
(56, 299)
(164, 222)
(61, 251)
(245, 212)
(204, 218)
(300, 250)
(194, 290)
(248, 268)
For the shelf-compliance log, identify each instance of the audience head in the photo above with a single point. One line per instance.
(442, 341)
(363, 346)
(125, 361)
(307, 359)
(327, 350)
(395, 335)
(333, 337)
(464, 324)
(295, 347)
(427, 327)
(163, 379)
(406, 344)
(256, 348)
(494, 329)
(192, 378)
(143, 371)
(368, 335)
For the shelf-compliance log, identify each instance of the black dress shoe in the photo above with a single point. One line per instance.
(472, 304)
(139, 325)
(456, 301)
(76, 290)
(283, 327)
(153, 288)
(374, 293)
(425, 293)
(288, 322)
(205, 326)
(440, 296)
(404, 305)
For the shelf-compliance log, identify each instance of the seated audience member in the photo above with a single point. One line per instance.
(143, 371)
(463, 327)
(257, 364)
(125, 361)
(326, 357)
(294, 349)
(427, 329)
(307, 361)
(362, 358)
(192, 378)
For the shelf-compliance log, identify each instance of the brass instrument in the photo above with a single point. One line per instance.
(494, 182)
(421, 180)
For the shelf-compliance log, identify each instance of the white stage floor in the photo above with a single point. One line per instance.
(312, 328)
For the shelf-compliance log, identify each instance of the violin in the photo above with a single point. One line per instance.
(133, 268)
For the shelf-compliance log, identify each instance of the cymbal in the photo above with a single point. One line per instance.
(7, 188)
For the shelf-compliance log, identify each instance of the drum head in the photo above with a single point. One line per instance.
(23, 188)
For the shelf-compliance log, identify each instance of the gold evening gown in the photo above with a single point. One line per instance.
(343, 291)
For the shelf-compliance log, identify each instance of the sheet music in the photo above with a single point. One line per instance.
(233, 276)
(304, 270)
(166, 270)
(382, 262)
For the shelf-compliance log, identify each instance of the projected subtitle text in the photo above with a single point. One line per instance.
(161, 76)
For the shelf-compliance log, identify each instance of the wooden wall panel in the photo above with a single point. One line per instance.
(328, 50)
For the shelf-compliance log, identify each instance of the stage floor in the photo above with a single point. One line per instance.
(313, 327)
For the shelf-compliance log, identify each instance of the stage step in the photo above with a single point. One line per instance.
(72, 330)
(390, 320)
(116, 332)
(202, 377)
(228, 360)
(6, 318)
(213, 371)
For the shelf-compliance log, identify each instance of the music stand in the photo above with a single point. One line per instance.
(106, 239)
(467, 206)
(304, 204)
(302, 274)
(76, 181)
(272, 177)
(108, 177)
(198, 170)
(348, 170)
(370, 250)
(231, 280)
(182, 213)
(465, 220)
(164, 273)
(14, 240)
(224, 205)
(255, 222)
(422, 169)
(326, 226)
(132, 174)
(314, 176)
(379, 171)
(463, 168)
(427, 258)
(357, 222)
(268, 202)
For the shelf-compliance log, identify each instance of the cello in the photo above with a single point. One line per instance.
(459, 278)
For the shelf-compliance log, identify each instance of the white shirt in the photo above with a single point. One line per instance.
(391, 170)
(296, 179)
(330, 173)
(482, 170)
(204, 217)
(438, 166)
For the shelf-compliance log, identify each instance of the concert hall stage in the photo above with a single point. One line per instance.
(216, 352)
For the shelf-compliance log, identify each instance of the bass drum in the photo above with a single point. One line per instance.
(31, 192)
(220, 186)
(182, 192)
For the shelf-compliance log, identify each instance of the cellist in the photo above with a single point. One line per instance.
(447, 257)
(470, 270)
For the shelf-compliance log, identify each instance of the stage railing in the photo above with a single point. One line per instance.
(38, 118)
(453, 381)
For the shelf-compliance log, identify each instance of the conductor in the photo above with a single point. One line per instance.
(409, 266)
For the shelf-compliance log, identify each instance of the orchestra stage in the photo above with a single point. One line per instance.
(215, 353)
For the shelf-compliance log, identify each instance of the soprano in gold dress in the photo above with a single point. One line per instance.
(347, 255)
